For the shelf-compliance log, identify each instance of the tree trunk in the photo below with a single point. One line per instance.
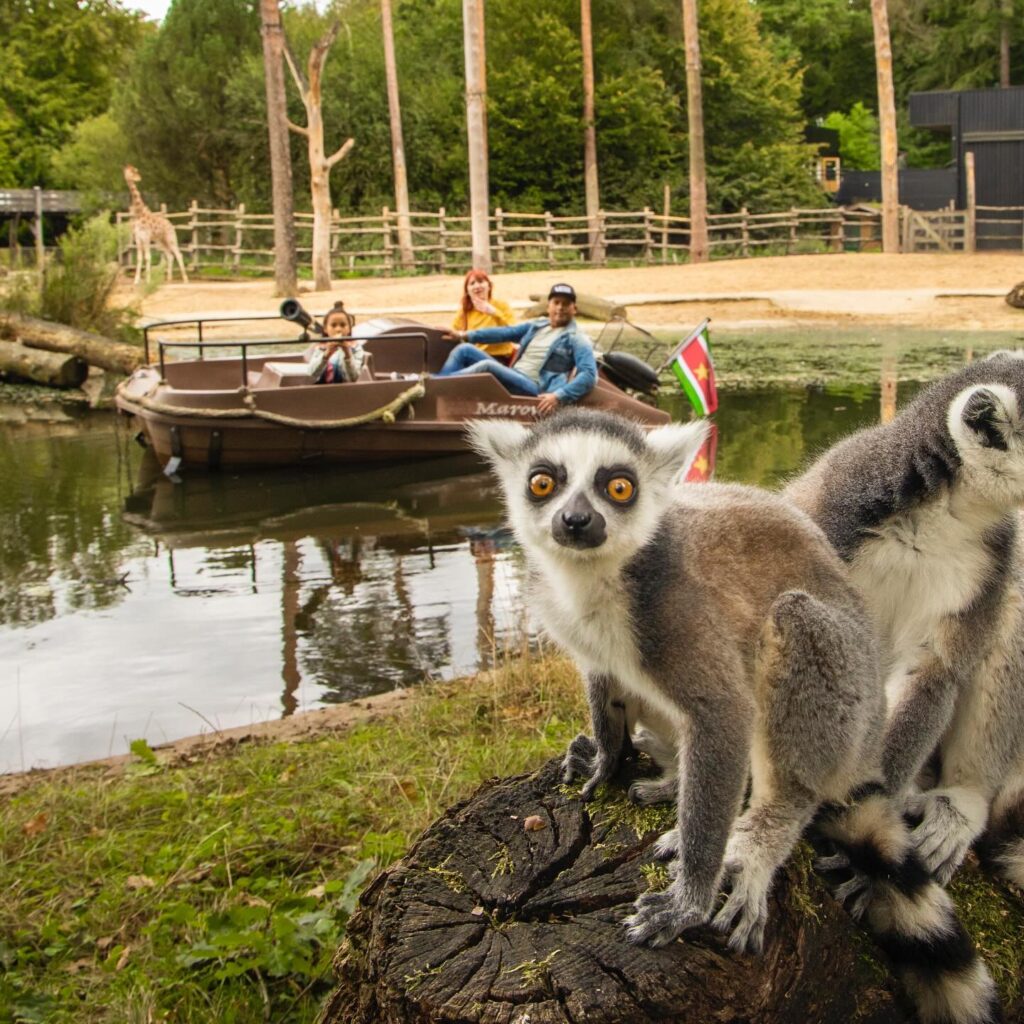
(509, 909)
(476, 133)
(53, 369)
(887, 125)
(1005, 26)
(285, 273)
(695, 123)
(590, 178)
(405, 254)
(93, 348)
(320, 164)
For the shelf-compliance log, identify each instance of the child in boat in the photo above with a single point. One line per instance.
(333, 362)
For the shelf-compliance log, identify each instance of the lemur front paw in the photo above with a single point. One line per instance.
(854, 891)
(666, 846)
(745, 912)
(645, 792)
(660, 917)
(584, 759)
(949, 823)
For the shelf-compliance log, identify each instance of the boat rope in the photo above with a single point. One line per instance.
(386, 412)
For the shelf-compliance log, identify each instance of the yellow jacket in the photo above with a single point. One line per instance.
(474, 320)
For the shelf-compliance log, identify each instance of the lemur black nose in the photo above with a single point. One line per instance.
(576, 520)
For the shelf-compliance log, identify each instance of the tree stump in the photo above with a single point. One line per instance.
(508, 910)
(1015, 296)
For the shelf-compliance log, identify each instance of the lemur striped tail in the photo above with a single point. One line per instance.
(910, 916)
(1001, 847)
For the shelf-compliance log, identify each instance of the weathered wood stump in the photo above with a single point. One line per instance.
(49, 368)
(490, 918)
(93, 348)
(1015, 296)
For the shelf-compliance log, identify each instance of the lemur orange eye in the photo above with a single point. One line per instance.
(620, 489)
(542, 485)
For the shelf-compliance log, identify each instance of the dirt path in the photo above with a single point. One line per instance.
(940, 291)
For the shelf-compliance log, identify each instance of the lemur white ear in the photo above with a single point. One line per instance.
(674, 445)
(985, 416)
(495, 440)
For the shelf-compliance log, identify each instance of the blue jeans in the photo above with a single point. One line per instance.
(465, 359)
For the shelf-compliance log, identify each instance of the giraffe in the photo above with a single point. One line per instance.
(149, 229)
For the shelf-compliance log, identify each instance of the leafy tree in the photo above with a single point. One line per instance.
(858, 137)
(60, 60)
(175, 108)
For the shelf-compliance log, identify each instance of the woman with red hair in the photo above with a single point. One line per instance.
(479, 309)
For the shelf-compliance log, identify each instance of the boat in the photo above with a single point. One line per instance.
(260, 409)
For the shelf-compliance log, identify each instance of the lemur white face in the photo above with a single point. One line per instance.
(585, 486)
(985, 423)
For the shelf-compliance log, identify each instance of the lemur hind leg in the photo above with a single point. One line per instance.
(1001, 848)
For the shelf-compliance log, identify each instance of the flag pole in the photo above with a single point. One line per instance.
(693, 334)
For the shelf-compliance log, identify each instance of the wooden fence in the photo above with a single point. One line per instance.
(234, 241)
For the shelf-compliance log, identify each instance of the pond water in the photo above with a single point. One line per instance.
(133, 607)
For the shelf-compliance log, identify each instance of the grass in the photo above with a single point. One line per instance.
(219, 890)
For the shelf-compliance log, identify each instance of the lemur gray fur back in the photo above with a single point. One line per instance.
(717, 629)
(925, 511)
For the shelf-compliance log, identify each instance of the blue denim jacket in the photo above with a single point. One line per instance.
(570, 349)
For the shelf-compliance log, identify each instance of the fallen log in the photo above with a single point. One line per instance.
(509, 909)
(93, 348)
(50, 368)
(1015, 296)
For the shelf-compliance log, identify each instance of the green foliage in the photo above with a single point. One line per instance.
(858, 137)
(78, 284)
(175, 107)
(60, 60)
(219, 890)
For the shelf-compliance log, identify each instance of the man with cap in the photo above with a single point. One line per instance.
(550, 348)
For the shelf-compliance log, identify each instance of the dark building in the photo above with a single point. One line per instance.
(986, 122)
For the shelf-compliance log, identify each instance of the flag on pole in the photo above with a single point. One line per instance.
(691, 363)
(701, 467)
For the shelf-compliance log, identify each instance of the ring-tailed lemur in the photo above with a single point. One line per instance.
(718, 621)
(925, 511)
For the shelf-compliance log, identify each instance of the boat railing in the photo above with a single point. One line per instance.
(199, 322)
(243, 346)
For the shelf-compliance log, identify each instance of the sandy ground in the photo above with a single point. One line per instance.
(924, 290)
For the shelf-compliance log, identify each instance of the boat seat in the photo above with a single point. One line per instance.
(280, 375)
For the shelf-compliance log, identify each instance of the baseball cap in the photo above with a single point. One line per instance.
(564, 291)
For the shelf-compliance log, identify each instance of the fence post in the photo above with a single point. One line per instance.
(835, 231)
(648, 236)
(794, 220)
(335, 235)
(744, 232)
(550, 229)
(389, 256)
(499, 235)
(666, 207)
(442, 240)
(37, 227)
(239, 229)
(193, 223)
(971, 238)
(602, 236)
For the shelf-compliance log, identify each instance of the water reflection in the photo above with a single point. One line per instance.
(131, 606)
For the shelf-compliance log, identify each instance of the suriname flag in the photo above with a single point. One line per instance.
(695, 372)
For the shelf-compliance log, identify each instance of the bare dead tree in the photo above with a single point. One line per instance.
(590, 179)
(695, 123)
(1005, 26)
(476, 132)
(285, 276)
(320, 165)
(887, 125)
(405, 254)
